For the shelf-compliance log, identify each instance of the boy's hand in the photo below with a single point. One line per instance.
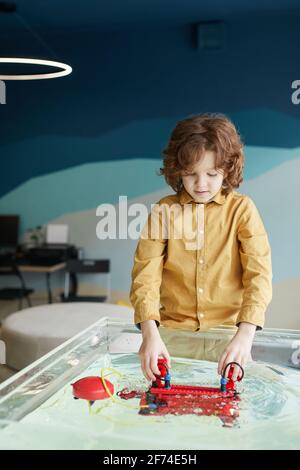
(151, 349)
(238, 350)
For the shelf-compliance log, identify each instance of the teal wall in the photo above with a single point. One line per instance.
(70, 144)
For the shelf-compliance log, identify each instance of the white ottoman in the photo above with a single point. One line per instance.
(33, 332)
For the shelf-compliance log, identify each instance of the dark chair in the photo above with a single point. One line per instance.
(84, 266)
(8, 267)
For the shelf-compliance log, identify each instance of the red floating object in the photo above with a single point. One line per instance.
(92, 388)
(162, 398)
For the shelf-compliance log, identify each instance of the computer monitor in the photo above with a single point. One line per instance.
(9, 231)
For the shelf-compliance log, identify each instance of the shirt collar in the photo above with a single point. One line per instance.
(185, 197)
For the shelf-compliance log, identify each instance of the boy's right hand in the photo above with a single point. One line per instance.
(151, 349)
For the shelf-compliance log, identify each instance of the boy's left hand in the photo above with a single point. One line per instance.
(238, 350)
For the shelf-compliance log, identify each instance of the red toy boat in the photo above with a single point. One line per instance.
(92, 388)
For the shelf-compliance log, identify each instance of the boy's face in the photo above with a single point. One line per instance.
(204, 180)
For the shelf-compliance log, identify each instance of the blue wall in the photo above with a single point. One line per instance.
(129, 88)
(70, 144)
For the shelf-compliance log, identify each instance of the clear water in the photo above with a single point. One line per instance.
(269, 413)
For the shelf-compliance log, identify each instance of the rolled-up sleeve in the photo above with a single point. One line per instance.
(255, 255)
(147, 270)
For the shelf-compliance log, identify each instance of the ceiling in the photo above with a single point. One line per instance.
(100, 15)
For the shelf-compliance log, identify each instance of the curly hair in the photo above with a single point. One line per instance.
(192, 137)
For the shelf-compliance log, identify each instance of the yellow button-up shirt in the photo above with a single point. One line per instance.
(221, 276)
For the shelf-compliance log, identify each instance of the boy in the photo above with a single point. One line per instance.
(225, 275)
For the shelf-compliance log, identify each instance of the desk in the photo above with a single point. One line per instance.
(48, 270)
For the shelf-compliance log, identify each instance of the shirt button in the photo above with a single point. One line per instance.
(201, 315)
(200, 290)
(201, 261)
(201, 231)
